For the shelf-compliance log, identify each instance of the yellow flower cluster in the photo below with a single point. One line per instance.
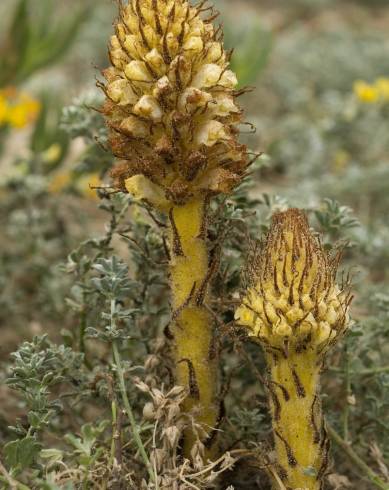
(293, 296)
(17, 109)
(84, 185)
(372, 93)
(171, 102)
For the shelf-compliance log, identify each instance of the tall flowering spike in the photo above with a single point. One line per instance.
(173, 120)
(295, 309)
(171, 103)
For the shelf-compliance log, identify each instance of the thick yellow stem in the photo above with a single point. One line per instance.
(193, 329)
(300, 438)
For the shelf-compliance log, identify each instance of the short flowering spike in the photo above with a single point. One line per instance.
(171, 101)
(296, 311)
(293, 298)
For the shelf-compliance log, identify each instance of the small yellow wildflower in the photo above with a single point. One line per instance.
(382, 86)
(365, 92)
(52, 154)
(340, 161)
(3, 109)
(59, 182)
(17, 117)
(17, 109)
(87, 183)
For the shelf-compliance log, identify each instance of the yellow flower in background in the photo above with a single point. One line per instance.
(59, 182)
(17, 109)
(52, 154)
(87, 183)
(382, 85)
(340, 161)
(3, 109)
(372, 93)
(17, 117)
(83, 184)
(366, 92)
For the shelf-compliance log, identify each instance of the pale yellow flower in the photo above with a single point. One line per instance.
(60, 182)
(341, 160)
(382, 86)
(87, 184)
(52, 153)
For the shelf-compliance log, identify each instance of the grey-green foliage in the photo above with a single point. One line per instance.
(334, 220)
(114, 284)
(38, 366)
(322, 139)
(365, 368)
(81, 119)
(251, 42)
(103, 298)
(84, 445)
(146, 247)
(252, 53)
(327, 61)
(113, 280)
(31, 221)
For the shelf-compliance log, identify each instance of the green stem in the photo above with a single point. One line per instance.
(16, 485)
(373, 477)
(83, 325)
(13, 484)
(82, 333)
(346, 412)
(114, 420)
(127, 406)
(362, 372)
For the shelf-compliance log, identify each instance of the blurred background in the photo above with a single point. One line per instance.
(320, 107)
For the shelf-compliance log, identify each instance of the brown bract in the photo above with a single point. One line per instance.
(171, 102)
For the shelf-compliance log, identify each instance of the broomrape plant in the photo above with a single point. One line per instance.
(172, 114)
(296, 311)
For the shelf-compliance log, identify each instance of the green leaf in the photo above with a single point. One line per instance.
(251, 59)
(21, 453)
(47, 133)
(49, 485)
(51, 455)
(13, 54)
(49, 47)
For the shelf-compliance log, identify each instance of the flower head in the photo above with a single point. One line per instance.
(17, 109)
(293, 298)
(382, 85)
(365, 92)
(372, 93)
(171, 101)
(59, 182)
